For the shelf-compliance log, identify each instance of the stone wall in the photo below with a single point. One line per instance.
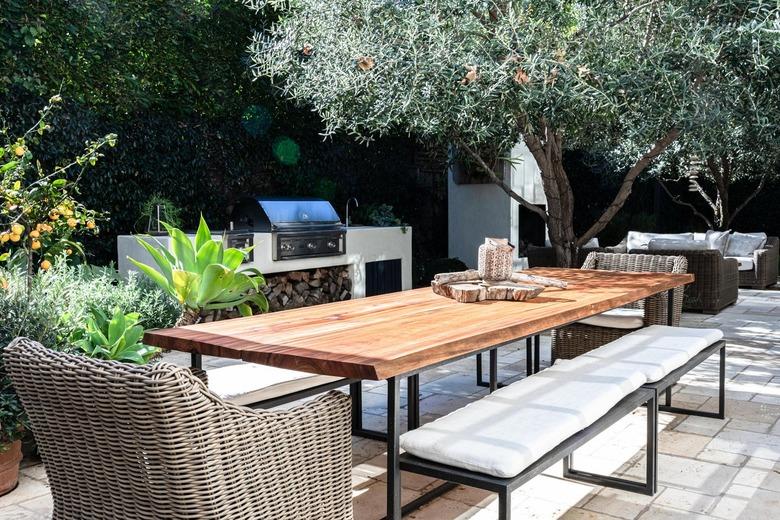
(303, 288)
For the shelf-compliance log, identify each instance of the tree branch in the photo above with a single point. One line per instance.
(748, 199)
(630, 13)
(677, 200)
(498, 181)
(628, 181)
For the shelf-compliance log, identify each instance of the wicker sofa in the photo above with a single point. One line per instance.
(764, 270)
(142, 442)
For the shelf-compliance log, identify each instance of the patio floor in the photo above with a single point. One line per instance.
(707, 468)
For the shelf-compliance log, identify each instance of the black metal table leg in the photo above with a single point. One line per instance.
(413, 399)
(670, 307)
(356, 393)
(393, 463)
(493, 370)
(196, 360)
(537, 348)
(529, 357)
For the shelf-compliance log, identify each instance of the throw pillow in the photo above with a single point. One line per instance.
(660, 244)
(743, 244)
(640, 241)
(718, 240)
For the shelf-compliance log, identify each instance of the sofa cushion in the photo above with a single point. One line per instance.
(248, 383)
(508, 430)
(658, 244)
(743, 244)
(617, 319)
(637, 240)
(656, 350)
(744, 263)
(718, 240)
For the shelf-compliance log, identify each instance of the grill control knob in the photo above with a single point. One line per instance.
(286, 246)
(312, 246)
(331, 244)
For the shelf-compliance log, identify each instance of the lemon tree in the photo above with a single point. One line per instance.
(40, 217)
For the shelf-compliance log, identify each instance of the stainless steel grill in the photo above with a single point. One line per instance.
(300, 227)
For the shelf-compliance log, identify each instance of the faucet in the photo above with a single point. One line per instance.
(356, 205)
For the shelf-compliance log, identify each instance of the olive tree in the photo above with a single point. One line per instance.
(483, 75)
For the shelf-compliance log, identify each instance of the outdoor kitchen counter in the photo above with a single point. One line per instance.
(364, 244)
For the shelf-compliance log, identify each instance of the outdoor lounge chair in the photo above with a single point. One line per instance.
(141, 442)
(585, 335)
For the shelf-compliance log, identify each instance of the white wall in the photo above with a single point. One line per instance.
(475, 211)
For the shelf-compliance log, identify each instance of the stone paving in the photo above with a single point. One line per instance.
(707, 468)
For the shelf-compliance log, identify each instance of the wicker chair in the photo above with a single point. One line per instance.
(764, 274)
(578, 338)
(717, 279)
(146, 442)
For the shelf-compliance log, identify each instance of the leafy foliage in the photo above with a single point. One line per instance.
(115, 338)
(49, 306)
(556, 74)
(203, 276)
(39, 215)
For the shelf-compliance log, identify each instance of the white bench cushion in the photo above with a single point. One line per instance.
(248, 383)
(508, 430)
(617, 319)
(656, 350)
(744, 263)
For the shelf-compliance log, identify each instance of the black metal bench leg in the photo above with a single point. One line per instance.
(721, 413)
(648, 487)
(504, 504)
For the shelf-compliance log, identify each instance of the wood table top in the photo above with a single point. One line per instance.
(394, 334)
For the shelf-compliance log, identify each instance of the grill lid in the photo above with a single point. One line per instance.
(275, 213)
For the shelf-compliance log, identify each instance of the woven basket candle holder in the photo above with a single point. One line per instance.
(495, 259)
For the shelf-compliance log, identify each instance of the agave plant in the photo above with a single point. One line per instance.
(117, 338)
(203, 276)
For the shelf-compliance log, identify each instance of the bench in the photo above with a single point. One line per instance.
(512, 435)
(261, 386)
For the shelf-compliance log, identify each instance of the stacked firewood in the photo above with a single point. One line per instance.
(304, 288)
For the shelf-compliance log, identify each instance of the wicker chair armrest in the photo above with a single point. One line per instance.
(766, 262)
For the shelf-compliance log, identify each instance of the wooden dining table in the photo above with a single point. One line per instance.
(398, 335)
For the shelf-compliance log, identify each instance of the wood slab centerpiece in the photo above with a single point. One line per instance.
(494, 280)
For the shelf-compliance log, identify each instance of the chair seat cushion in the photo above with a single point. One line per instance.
(248, 383)
(508, 430)
(744, 263)
(617, 319)
(656, 350)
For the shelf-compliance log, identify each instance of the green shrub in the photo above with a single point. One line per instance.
(114, 337)
(59, 301)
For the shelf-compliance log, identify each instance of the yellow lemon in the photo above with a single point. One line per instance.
(35, 233)
(72, 222)
(36, 244)
(90, 224)
(19, 151)
(45, 265)
(17, 229)
(4, 237)
(69, 252)
(15, 238)
(54, 215)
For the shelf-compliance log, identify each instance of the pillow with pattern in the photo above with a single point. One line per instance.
(743, 244)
